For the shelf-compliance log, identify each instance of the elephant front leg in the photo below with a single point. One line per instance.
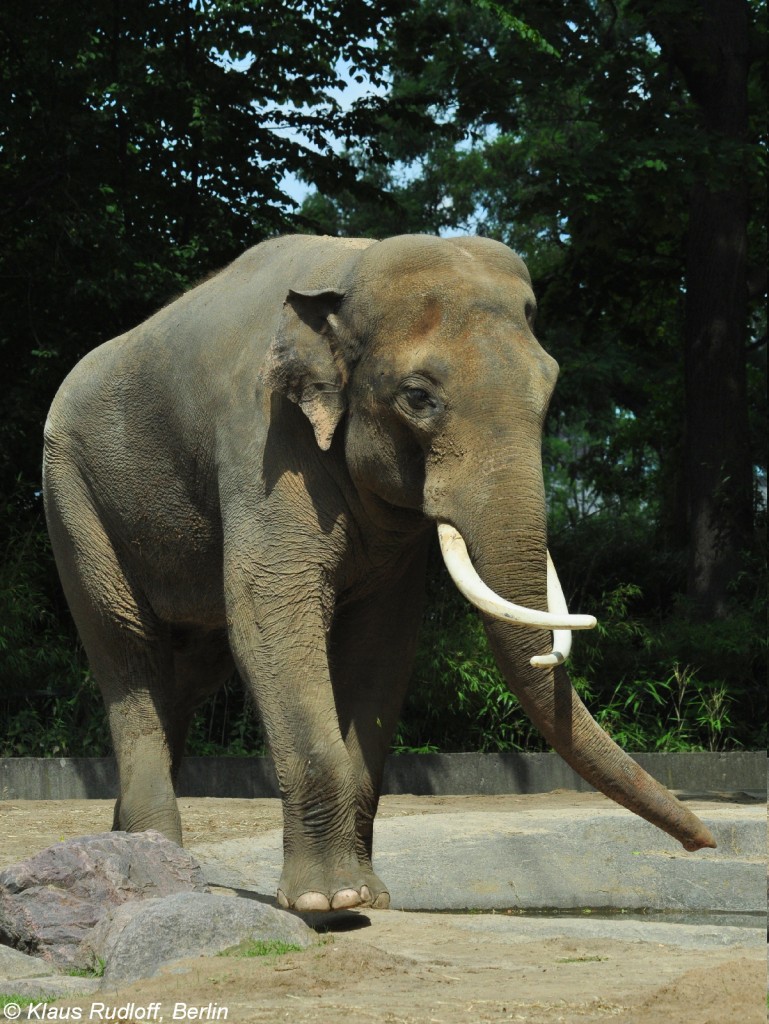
(280, 651)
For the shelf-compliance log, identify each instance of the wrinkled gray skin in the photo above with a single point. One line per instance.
(251, 478)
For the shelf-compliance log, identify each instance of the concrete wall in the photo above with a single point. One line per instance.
(32, 778)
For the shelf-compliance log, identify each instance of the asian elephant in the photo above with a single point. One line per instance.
(250, 480)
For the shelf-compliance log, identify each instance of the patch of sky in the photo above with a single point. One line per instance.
(355, 85)
(352, 85)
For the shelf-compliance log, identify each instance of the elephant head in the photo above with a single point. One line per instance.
(422, 367)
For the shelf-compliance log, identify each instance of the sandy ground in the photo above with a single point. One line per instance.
(403, 968)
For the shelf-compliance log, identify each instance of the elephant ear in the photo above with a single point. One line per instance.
(301, 362)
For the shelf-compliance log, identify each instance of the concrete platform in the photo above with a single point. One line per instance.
(557, 859)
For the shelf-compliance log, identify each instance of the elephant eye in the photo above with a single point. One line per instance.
(419, 399)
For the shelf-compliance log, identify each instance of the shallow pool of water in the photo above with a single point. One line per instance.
(717, 919)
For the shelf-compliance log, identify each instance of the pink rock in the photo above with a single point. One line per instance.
(49, 902)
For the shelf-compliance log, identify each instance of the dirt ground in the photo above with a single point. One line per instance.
(407, 968)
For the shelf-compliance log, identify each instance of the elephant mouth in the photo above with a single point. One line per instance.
(557, 618)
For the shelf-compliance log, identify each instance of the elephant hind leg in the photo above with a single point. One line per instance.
(131, 661)
(135, 676)
(199, 669)
(375, 643)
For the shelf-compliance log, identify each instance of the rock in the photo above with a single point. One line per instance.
(15, 965)
(135, 940)
(35, 978)
(55, 986)
(50, 902)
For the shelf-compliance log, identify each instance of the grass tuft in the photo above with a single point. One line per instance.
(261, 947)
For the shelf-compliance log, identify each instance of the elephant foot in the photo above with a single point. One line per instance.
(343, 899)
(338, 893)
(143, 816)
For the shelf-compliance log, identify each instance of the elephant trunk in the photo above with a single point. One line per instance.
(514, 567)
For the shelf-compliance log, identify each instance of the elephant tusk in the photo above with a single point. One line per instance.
(470, 584)
(556, 602)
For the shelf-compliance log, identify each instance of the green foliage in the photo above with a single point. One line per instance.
(227, 725)
(50, 703)
(654, 675)
(645, 709)
(66, 722)
(141, 147)
(458, 699)
(8, 999)
(96, 971)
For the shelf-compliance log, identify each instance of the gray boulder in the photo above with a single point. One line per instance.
(55, 986)
(135, 940)
(50, 902)
(35, 978)
(15, 965)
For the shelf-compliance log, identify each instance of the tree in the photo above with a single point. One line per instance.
(571, 134)
(142, 146)
(626, 170)
(709, 43)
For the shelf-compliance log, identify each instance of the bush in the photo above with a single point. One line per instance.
(227, 724)
(654, 676)
(50, 704)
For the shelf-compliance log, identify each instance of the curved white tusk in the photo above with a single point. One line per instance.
(556, 602)
(475, 590)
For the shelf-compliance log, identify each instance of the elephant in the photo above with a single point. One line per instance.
(250, 480)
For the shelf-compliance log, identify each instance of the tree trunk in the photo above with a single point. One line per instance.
(712, 51)
(717, 459)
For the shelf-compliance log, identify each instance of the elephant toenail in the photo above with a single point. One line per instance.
(346, 898)
(312, 901)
